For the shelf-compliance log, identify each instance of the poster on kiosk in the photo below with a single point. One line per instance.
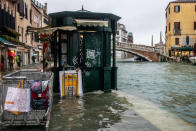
(70, 83)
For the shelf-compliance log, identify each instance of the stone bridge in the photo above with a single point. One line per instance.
(148, 53)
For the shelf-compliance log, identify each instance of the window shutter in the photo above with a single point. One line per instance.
(169, 10)
(169, 26)
(183, 41)
(31, 16)
(187, 40)
(27, 12)
(191, 41)
(177, 41)
(195, 8)
(22, 9)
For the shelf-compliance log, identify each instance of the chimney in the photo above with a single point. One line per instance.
(46, 8)
(152, 41)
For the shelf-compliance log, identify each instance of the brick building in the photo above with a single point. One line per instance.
(17, 16)
(8, 35)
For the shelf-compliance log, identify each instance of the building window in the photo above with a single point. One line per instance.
(32, 38)
(166, 29)
(177, 30)
(177, 41)
(36, 37)
(31, 16)
(187, 40)
(195, 8)
(36, 20)
(45, 21)
(195, 25)
(26, 11)
(21, 8)
(18, 7)
(169, 26)
(176, 8)
(22, 31)
(169, 10)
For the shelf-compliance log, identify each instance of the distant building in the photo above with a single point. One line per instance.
(121, 36)
(160, 47)
(29, 13)
(130, 38)
(23, 19)
(180, 27)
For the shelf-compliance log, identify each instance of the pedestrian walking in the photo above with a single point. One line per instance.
(2, 63)
(18, 60)
(33, 59)
(10, 58)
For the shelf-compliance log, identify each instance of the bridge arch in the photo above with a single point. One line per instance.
(133, 52)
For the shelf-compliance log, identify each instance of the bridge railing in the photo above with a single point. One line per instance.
(142, 48)
(138, 47)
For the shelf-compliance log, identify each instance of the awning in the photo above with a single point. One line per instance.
(95, 23)
(184, 48)
(50, 30)
(6, 43)
(36, 50)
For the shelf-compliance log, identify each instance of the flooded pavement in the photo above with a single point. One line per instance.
(97, 111)
(151, 97)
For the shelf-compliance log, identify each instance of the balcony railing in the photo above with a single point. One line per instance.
(6, 19)
(177, 31)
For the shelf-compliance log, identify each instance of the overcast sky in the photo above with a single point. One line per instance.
(143, 18)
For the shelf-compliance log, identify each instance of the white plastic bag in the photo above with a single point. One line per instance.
(17, 100)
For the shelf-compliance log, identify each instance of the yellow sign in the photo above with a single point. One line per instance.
(70, 84)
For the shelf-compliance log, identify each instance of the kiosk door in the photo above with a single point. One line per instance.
(93, 61)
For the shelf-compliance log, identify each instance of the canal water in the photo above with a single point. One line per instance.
(171, 86)
(150, 97)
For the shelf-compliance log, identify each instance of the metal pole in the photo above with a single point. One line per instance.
(55, 50)
(114, 48)
(114, 68)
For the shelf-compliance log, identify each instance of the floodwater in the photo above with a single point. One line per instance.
(171, 86)
(150, 97)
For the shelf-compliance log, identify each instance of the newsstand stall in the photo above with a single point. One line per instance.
(84, 42)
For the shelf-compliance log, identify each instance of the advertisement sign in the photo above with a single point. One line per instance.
(70, 83)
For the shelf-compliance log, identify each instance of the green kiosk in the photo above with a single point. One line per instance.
(84, 39)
